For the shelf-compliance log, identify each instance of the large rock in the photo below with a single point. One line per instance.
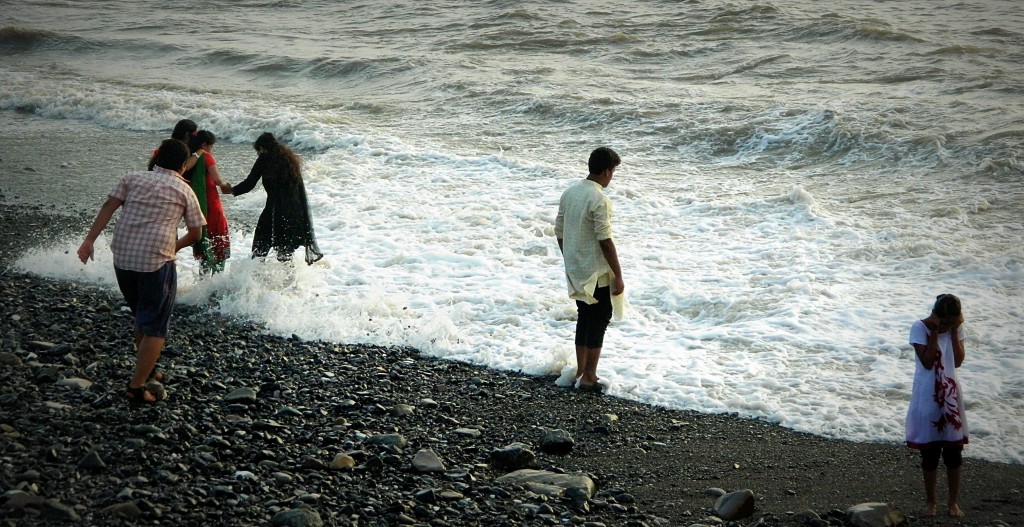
(241, 396)
(529, 478)
(18, 499)
(396, 440)
(127, 510)
(557, 442)
(735, 505)
(342, 461)
(92, 461)
(875, 515)
(40, 345)
(55, 510)
(427, 461)
(297, 518)
(75, 382)
(513, 457)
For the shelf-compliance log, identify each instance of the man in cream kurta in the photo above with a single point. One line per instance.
(584, 231)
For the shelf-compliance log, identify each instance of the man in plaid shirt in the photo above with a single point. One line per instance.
(144, 246)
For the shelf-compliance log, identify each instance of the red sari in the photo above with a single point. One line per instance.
(215, 246)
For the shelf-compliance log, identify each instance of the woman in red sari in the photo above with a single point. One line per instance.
(215, 246)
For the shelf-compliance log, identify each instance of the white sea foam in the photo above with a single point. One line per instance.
(768, 306)
(787, 206)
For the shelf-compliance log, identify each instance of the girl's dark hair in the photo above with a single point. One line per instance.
(183, 129)
(283, 160)
(202, 137)
(946, 306)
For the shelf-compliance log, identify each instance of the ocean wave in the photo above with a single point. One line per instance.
(729, 70)
(754, 11)
(1000, 32)
(21, 39)
(317, 68)
(957, 90)
(912, 74)
(138, 107)
(546, 38)
(964, 49)
(834, 28)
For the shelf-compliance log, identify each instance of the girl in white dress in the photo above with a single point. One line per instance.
(936, 422)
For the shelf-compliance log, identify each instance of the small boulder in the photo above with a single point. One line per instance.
(343, 462)
(55, 510)
(127, 510)
(513, 457)
(75, 382)
(301, 517)
(402, 410)
(875, 515)
(557, 442)
(735, 505)
(396, 440)
(528, 478)
(92, 461)
(241, 396)
(427, 461)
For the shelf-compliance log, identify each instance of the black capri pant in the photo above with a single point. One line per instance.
(952, 457)
(593, 319)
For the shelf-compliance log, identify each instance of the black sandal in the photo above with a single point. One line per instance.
(138, 395)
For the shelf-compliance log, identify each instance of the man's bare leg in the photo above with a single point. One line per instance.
(953, 478)
(590, 372)
(581, 363)
(157, 376)
(150, 348)
(930, 479)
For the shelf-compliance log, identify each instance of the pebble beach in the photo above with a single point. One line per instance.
(260, 429)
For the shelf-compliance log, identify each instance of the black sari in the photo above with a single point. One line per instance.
(285, 223)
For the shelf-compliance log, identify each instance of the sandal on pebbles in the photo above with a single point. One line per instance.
(138, 395)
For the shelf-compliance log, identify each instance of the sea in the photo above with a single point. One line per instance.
(799, 180)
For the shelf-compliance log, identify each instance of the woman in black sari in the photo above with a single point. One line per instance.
(285, 224)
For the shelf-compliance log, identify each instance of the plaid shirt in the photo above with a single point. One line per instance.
(147, 230)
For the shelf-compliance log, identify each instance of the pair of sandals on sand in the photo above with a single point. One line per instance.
(138, 395)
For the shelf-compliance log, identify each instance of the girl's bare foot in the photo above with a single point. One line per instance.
(929, 511)
(955, 512)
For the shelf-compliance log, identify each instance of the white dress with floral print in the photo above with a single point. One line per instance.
(936, 415)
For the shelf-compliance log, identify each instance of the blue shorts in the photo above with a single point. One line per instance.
(150, 296)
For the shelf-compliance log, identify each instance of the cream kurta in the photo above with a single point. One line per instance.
(584, 219)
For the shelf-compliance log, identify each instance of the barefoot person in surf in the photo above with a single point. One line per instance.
(936, 422)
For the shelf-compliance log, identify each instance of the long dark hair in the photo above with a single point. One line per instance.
(284, 161)
(200, 138)
(184, 129)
